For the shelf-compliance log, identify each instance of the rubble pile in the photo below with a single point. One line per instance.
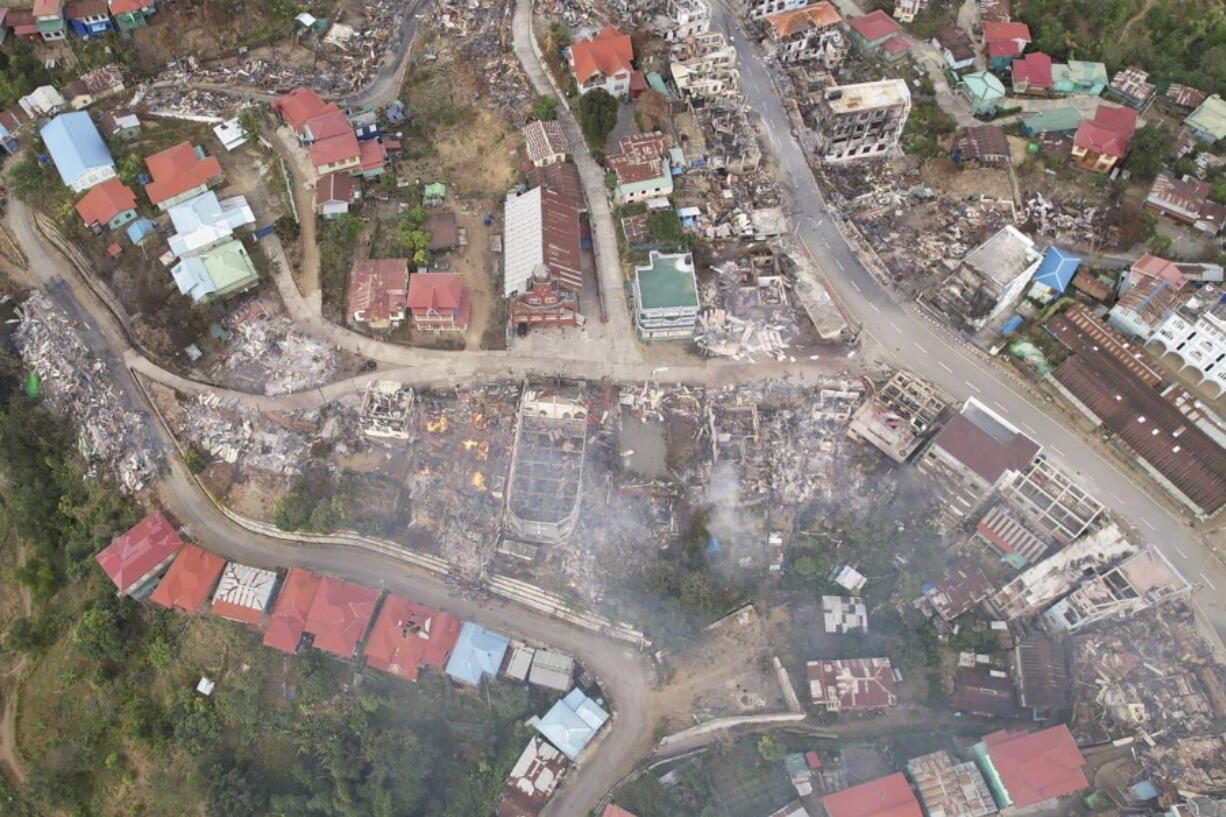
(809, 441)
(748, 312)
(81, 387)
(268, 354)
(346, 57)
(175, 100)
(1151, 674)
(228, 433)
(475, 35)
(1071, 224)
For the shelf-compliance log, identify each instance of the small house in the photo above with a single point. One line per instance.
(218, 273)
(546, 143)
(1186, 200)
(873, 29)
(1132, 87)
(1055, 120)
(133, 560)
(119, 123)
(49, 18)
(603, 61)
(983, 91)
(956, 47)
(191, 578)
(1032, 74)
(1101, 143)
(1208, 122)
(204, 222)
(1079, 77)
(88, 17)
(131, 14)
(1003, 41)
(439, 301)
(180, 173)
(478, 654)
(378, 291)
(108, 206)
(1054, 275)
(334, 193)
(981, 146)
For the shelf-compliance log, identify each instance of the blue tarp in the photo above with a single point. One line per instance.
(478, 652)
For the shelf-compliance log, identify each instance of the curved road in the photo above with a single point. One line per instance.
(910, 341)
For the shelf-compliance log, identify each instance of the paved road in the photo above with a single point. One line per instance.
(625, 674)
(910, 341)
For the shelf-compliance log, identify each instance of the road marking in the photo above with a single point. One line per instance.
(1000, 406)
(945, 367)
(921, 348)
(1118, 499)
(839, 262)
(895, 326)
(1059, 453)
(1030, 430)
(856, 286)
(974, 388)
(1148, 524)
(875, 308)
(825, 242)
(1212, 586)
(1182, 555)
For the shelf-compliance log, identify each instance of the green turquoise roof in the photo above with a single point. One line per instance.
(668, 283)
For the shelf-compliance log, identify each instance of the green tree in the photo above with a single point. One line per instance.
(545, 108)
(770, 749)
(293, 510)
(597, 113)
(665, 227)
(1150, 148)
(252, 123)
(101, 632)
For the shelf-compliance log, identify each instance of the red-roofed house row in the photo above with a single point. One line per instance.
(339, 615)
(289, 613)
(889, 796)
(1027, 768)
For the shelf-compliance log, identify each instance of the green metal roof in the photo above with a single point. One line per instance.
(229, 267)
(983, 85)
(1057, 119)
(668, 283)
(1210, 117)
(436, 190)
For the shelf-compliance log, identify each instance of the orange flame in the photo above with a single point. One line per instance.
(425, 472)
(437, 426)
(480, 448)
(478, 480)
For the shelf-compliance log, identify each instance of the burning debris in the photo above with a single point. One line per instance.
(80, 386)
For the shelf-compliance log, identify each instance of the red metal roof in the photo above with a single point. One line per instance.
(371, 154)
(128, 6)
(897, 45)
(999, 32)
(889, 796)
(177, 170)
(1109, 132)
(1033, 69)
(300, 106)
(614, 810)
(852, 683)
(289, 615)
(406, 635)
(1157, 267)
(1036, 766)
(815, 15)
(190, 579)
(334, 187)
(47, 8)
(608, 53)
(105, 201)
(378, 288)
(339, 615)
(132, 556)
(875, 25)
(436, 290)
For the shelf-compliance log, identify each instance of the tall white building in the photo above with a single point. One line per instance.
(1196, 332)
(687, 18)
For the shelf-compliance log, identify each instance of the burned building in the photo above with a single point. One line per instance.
(852, 683)
(547, 464)
(861, 121)
(704, 65)
(897, 416)
(387, 409)
(982, 688)
(962, 586)
(735, 433)
(1041, 668)
(532, 781)
(747, 310)
(1135, 584)
(731, 141)
(1058, 574)
(1052, 502)
(949, 789)
(807, 33)
(990, 279)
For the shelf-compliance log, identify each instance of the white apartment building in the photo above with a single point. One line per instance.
(1196, 332)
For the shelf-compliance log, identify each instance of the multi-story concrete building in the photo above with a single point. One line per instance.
(807, 33)
(687, 18)
(862, 121)
(760, 9)
(704, 65)
(1196, 332)
(666, 297)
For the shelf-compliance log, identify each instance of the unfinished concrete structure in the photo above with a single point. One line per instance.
(897, 416)
(862, 121)
(704, 65)
(1052, 502)
(731, 141)
(686, 18)
(547, 464)
(1135, 584)
(807, 33)
(387, 411)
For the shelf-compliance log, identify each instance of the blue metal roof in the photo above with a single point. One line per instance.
(139, 229)
(478, 652)
(75, 145)
(572, 723)
(1057, 269)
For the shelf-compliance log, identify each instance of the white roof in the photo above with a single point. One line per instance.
(230, 134)
(245, 586)
(524, 244)
(204, 221)
(520, 661)
(42, 101)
